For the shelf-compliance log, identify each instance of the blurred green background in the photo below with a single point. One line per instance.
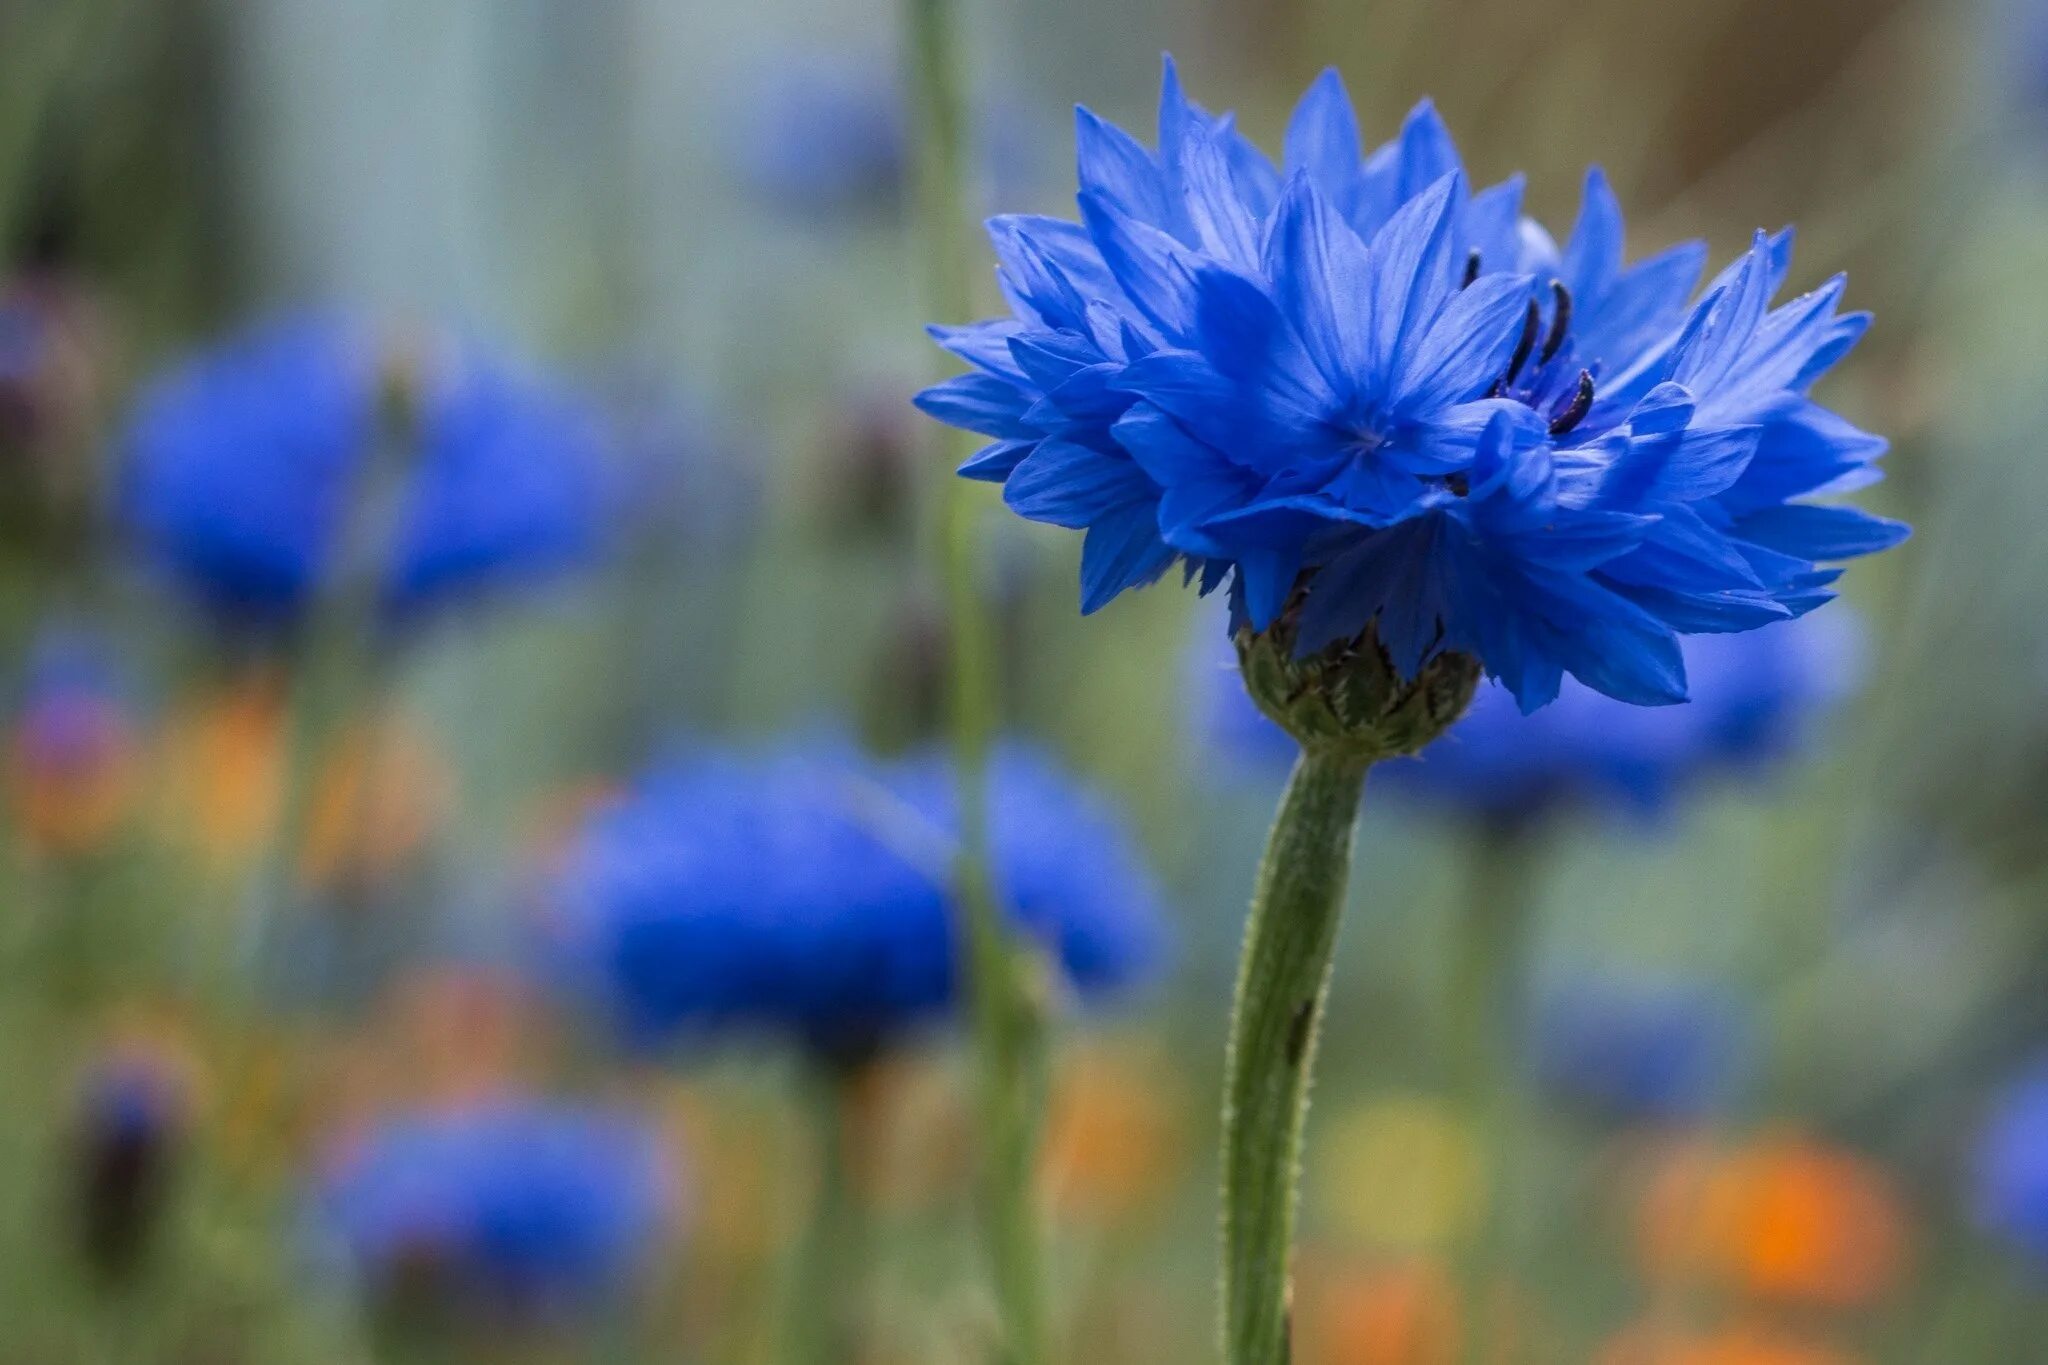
(641, 193)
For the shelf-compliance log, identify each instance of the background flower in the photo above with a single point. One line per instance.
(503, 1208)
(805, 893)
(251, 464)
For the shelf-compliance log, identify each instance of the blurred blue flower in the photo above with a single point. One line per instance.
(805, 893)
(1755, 699)
(245, 462)
(1641, 1046)
(2011, 1195)
(826, 136)
(1354, 368)
(512, 1207)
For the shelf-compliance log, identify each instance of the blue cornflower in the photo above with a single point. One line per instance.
(2011, 1175)
(510, 1207)
(1641, 1046)
(1755, 700)
(1372, 398)
(805, 893)
(246, 462)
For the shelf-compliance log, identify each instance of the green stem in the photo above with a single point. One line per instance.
(335, 664)
(1283, 979)
(1009, 1034)
(822, 1314)
(1484, 993)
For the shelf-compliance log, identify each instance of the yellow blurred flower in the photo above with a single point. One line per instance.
(1402, 1172)
(1780, 1217)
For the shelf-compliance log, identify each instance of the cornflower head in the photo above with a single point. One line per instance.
(1416, 437)
(805, 894)
(248, 464)
(507, 1209)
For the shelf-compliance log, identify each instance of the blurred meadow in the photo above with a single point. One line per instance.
(339, 1017)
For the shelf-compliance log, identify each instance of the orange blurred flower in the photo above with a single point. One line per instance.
(1115, 1147)
(1747, 1344)
(1781, 1217)
(382, 793)
(1402, 1313)
(219, 771)
(383, 790)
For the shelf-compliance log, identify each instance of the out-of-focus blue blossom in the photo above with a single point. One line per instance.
(2020, 54)
(1755, 699)
(1353, 367)
(510, 1207)
(806, 893)
(824, 137)
(1639, 1046)
(2011, 1189)
(246, 463)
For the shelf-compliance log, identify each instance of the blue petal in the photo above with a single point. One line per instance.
(1821, 533)
(1069, 485)
(1409, 280)
(1468, 347)
(1593, 255)
(978, 402)
(1319, 271)
(1322, 139)
(1121, 551)
(993, 463)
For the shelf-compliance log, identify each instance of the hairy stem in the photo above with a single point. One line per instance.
(1283, 978)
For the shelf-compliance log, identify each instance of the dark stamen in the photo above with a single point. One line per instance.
(1560, 321)
(1471, 268)
(1581, 404)
(1459, 484)
(1531, 321)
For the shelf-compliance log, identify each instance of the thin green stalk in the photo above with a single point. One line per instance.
(1484, 994)
(1283, 979)
(1009, 1035)
(822, 1313)
(335, 663)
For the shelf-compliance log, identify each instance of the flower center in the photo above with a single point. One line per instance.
(1537, 386)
